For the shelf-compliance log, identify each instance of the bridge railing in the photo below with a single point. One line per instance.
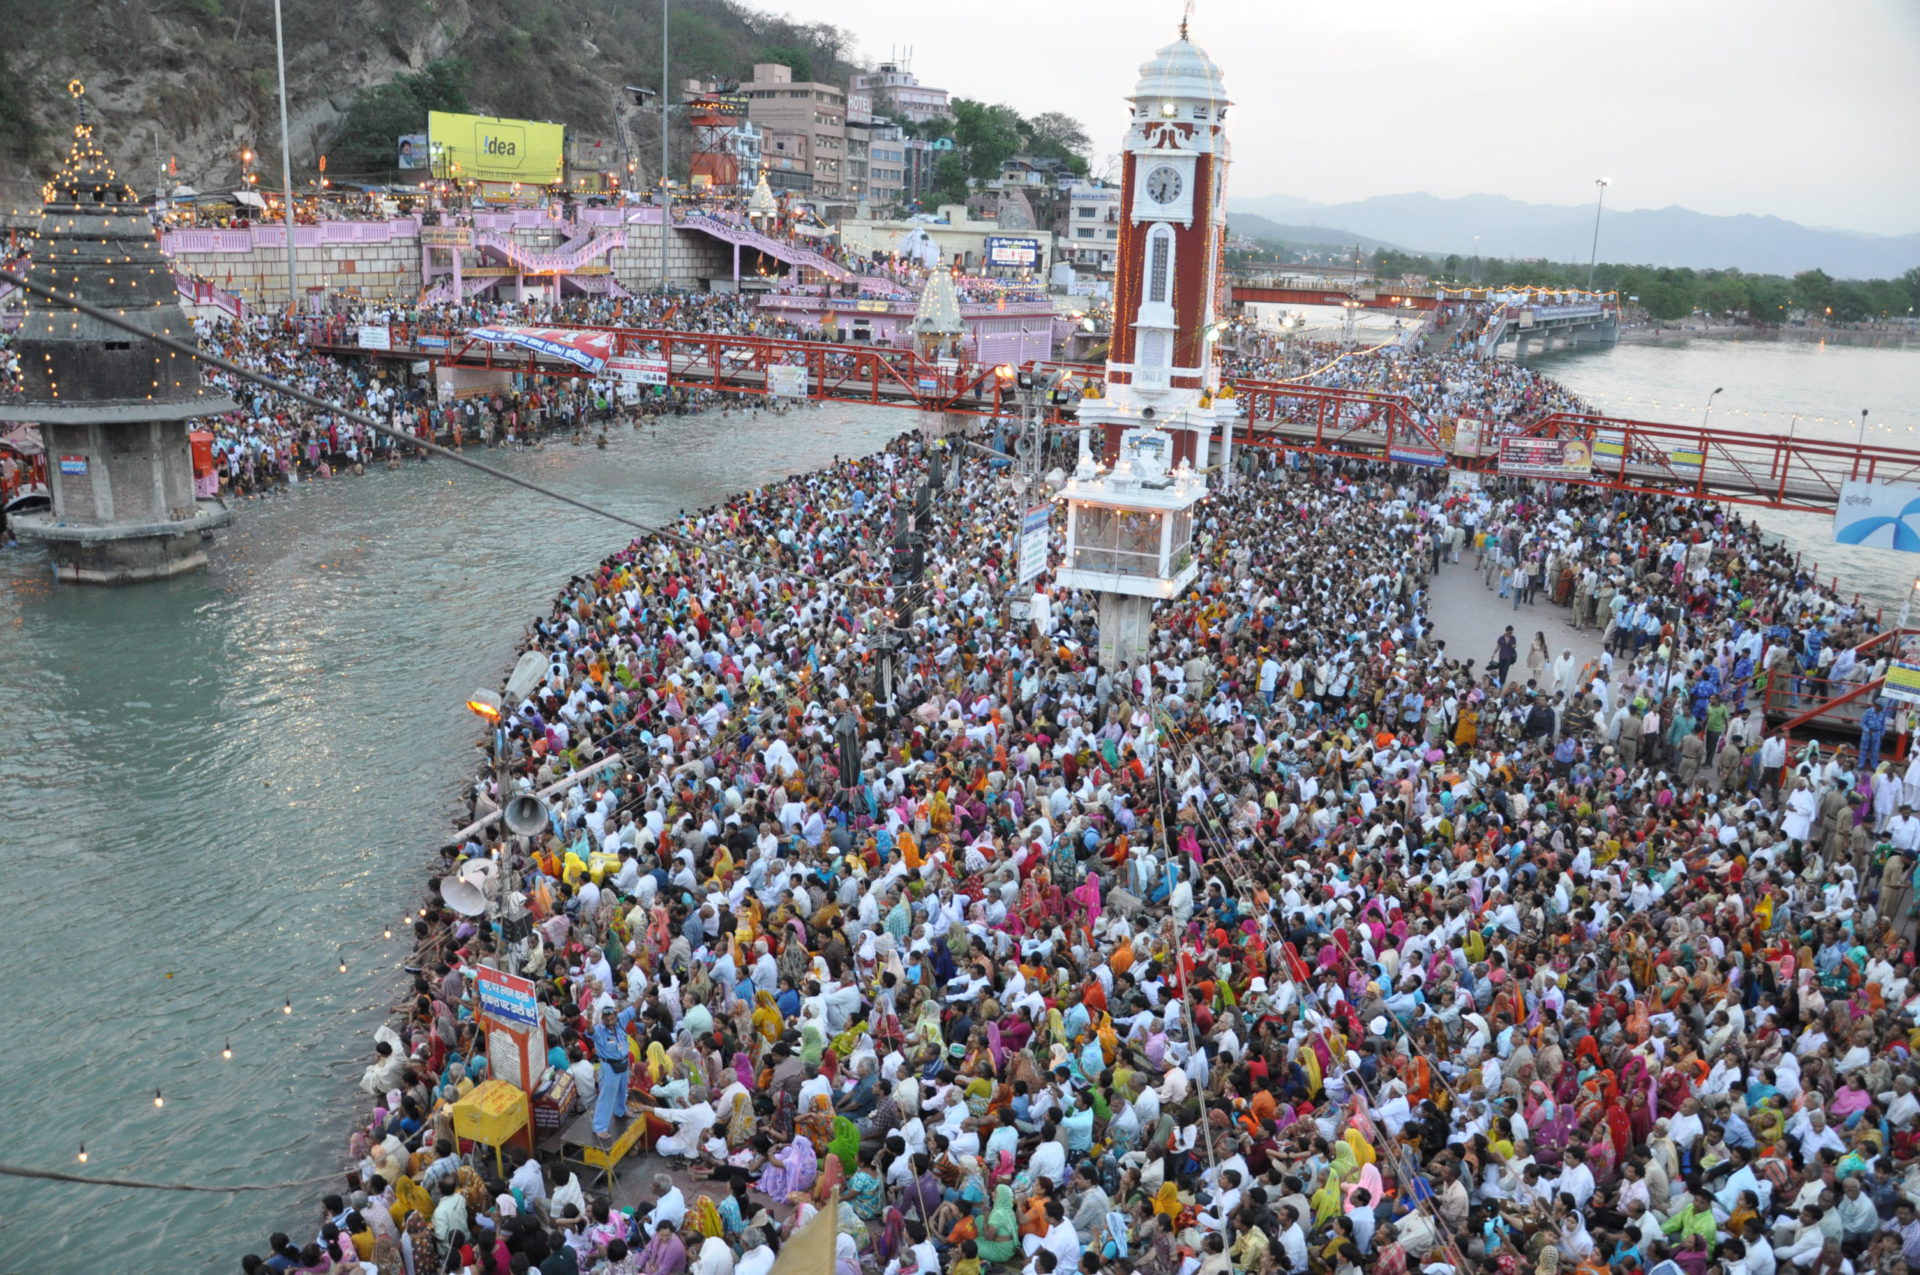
(1725, 464)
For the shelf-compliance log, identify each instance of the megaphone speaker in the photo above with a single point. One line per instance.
(463, 896)
(525, 816)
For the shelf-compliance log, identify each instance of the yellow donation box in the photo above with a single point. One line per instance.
(495, 1113)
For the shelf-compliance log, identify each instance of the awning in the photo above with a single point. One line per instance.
(816, 232)
(250, 198)
(23, 439)
(585, 348)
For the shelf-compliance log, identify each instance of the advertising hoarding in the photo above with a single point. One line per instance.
(486, 148)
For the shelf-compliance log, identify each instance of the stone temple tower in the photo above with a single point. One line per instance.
(112, 408)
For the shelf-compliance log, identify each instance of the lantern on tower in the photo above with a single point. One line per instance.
(1130, 517)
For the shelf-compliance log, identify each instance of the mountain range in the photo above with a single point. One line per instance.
(1672, 236)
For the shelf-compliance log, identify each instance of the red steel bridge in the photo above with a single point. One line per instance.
(1715, 464)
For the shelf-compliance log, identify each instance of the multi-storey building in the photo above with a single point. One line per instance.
(901, 94)
(811, 118)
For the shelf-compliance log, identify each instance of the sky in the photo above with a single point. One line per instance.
(1806, 111)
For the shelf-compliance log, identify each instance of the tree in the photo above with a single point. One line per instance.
(1852, 301)
(985, 136)
(382, 112)
(1812, 291)
(1724, 295)
(1769, 297)
(949, 180)
(1058, 135)
(797, 60)
(1665, 300)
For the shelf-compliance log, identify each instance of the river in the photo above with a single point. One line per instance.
(1765, 386)
(215, 790)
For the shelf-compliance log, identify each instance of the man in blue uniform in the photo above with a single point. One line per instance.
(610, 1047)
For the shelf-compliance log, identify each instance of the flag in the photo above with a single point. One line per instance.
(811, 1250)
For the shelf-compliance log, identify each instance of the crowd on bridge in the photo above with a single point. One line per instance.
(1307, 944)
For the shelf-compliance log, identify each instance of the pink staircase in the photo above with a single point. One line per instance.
(792, 253)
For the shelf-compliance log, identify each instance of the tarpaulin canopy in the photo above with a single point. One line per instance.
(249, 197)
(585, 348)
(24, 439)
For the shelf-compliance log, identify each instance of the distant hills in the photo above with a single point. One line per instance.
(1671, 236)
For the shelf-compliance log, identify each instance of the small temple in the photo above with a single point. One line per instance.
(113, 409)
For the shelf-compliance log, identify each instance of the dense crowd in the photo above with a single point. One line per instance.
(1306, 945)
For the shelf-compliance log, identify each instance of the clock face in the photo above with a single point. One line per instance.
(1163, 185)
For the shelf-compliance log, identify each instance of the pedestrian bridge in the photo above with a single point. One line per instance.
(1717, 464)
(1530, 327)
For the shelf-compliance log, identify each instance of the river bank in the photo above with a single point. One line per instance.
(1672, 334)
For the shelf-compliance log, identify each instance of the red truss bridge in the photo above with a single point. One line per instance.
(1729, 465)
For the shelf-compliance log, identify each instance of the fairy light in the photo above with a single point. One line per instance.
(288, 1007)
(158, 1101)
(82, 1157)
(226, 1051)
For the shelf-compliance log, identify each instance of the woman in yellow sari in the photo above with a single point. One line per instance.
(766, 1016)
(816, 1123)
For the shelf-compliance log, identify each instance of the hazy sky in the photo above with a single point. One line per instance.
(1809, 111)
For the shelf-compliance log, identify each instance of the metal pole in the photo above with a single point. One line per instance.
(286, 159)
(1598, 203)
(1906, 604)
(666, 213)
(1709, 412)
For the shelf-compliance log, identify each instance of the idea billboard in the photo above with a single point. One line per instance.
(484, 148)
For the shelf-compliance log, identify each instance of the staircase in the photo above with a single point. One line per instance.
(200, 292)
(793, 254)
(568, 258)
(1798, 705)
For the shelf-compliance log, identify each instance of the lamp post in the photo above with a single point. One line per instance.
(286, 160)
(1861, 438)
(1906, 604)
(666, 214)
(1709, 412)
(1598, 203)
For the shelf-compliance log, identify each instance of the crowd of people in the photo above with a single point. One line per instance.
(1308, 944)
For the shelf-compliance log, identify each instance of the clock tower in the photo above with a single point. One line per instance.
(1168, 284)
(1130, 518)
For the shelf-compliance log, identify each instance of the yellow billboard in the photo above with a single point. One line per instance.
(483, 148)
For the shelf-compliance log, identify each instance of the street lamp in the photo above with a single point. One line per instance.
(1709, 411)
(1906, 605)
(1861, 437)
(1599, 200)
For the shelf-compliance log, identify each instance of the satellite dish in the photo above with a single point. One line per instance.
(463, 896)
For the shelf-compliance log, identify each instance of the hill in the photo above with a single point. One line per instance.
(1258, 227)
(195, 78)
(1670, 236)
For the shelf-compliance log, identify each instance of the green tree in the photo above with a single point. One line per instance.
(382, 112)
(1852, 301)
(1813, 291)
(1666, 300)
(1057, 135)
(1724, 295)
(797, 60)
(949, 180)
(985, 136)
(1769, 298)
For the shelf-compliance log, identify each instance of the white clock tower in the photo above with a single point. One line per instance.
(1130, 520)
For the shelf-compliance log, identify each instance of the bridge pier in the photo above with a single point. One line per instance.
(1520, 347)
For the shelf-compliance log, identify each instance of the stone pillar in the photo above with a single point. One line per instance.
(1126, 629)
